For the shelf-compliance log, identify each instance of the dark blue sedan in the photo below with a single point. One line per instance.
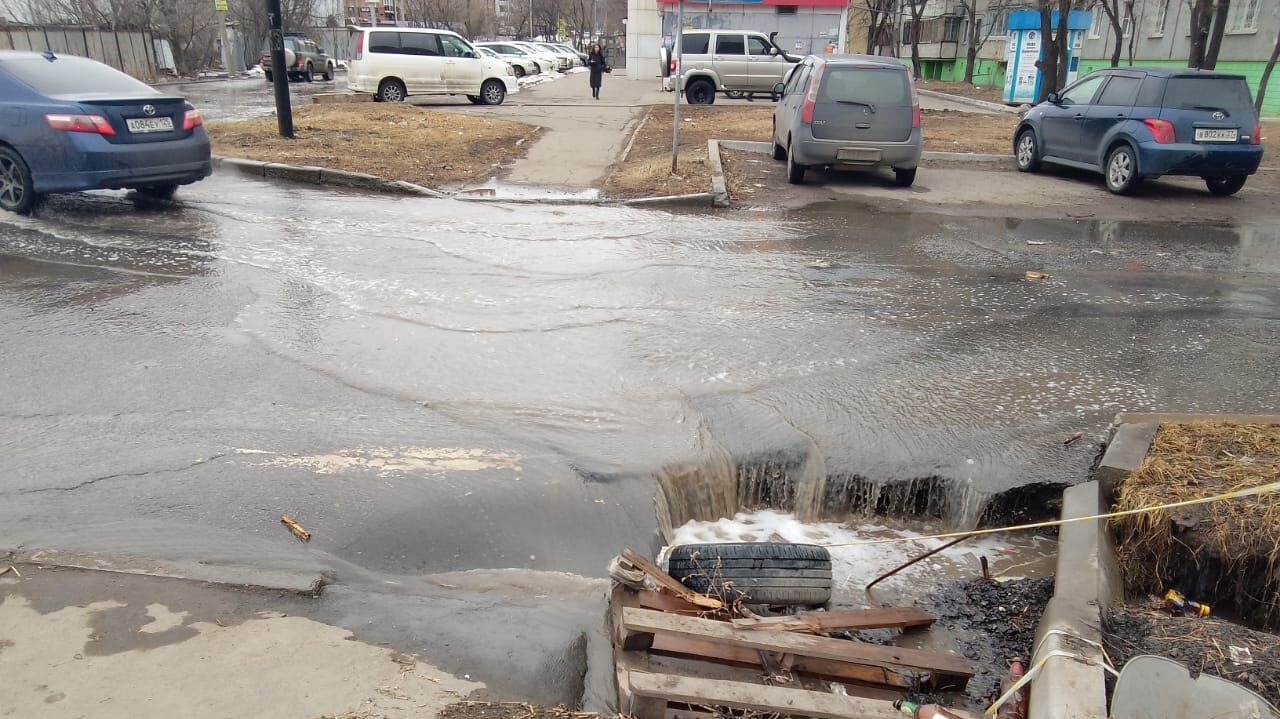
(1135, 123)
(69, 123)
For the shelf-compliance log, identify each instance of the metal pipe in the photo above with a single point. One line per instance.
(679, 53)
(926, 555)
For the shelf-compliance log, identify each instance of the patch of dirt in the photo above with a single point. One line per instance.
(993, 623)
(946, 131)
(1221, 553)
(397, 142)
(1202, 645)
(977, 92)
(510, 710)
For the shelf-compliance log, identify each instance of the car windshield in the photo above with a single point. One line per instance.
(74, 77)
(1207, 93)
(865, 85)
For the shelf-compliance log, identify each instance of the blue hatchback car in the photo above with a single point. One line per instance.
(1135, 123)
(69, 123)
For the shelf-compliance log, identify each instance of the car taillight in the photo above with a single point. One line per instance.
(192, 120)
(1256, 137)
(96, 124)
(1162, 130)
(673, 66)
(811, 97)
(915, 116)
(359, 45)
(298, 62)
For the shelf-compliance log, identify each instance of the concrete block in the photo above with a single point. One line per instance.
(248, 167)
(296, 173)
(763, 148)
(358, 180)
(719, 189)
(1128, 447)
(697, 199)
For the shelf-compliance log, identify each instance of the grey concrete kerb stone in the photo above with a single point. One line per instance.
(323, 176)
(973, 102)
(719, 189)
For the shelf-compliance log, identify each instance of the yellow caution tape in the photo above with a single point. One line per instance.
(1235, 494)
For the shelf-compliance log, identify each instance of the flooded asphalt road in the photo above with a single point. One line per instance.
(440, 385)
(431, 386)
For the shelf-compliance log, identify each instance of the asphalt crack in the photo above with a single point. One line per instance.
(126, 475)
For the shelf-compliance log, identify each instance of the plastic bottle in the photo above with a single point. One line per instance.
(926, 711)
(1015, 707)
(1179, 605)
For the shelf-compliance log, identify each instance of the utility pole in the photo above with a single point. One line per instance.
(676, 77)
(279, 76)
(228, 50)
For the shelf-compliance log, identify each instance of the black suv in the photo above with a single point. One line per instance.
(302, 59)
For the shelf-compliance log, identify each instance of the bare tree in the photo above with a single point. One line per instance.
(916, 7)
(879, 22)
(978, 31)
(1113, 9)
(1053, 46)
(1208, 21)
(1266, 74)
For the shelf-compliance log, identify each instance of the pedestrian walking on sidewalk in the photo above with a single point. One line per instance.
(599, 66)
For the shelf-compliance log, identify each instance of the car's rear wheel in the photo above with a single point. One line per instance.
(159, 192)
(1027, 151)
(1225, 186)
(905, 178)
(17, 194)
(328, 73)
(310, 74)
(492, 92)
(700, 92)
(795, 171)
(1122, 170)
(391, 91)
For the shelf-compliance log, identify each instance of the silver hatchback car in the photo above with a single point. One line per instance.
(848, 112)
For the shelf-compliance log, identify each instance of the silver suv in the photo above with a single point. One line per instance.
(848, 112)
(735, 62)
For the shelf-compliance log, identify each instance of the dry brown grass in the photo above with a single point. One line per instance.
(1196, 460)
(397, 142)
(978, 92)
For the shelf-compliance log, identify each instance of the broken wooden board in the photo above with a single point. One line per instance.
(651, 693)
(646, 621)
(842, 620)
(669, 583)
(649, 599)
(825, 669)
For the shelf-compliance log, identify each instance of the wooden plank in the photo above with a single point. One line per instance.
(647, 621)
(842, 671)
(841, 620)
(754, 697)
(669, 583)
(650, 599)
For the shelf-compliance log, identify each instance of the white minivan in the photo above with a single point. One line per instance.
(394, 63)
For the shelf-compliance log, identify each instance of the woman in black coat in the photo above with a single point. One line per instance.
(598, 66)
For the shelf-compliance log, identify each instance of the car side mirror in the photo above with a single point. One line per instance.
(1053, 98)
(779, 88)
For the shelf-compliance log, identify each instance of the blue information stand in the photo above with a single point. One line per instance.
(1021, 76)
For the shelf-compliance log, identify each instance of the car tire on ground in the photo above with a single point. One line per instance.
(328, 72)
(475, 99)
(17, 193)
(519, 71)
(904, 178)
(309, 75)
(795, 171)
(1121, 170)
(700, 92)
(760, 573)
(1026, 151)
(158, 192)
(492, 92)
(391, 90)
(1225, 186)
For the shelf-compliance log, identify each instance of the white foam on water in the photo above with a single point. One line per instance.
(855, 565)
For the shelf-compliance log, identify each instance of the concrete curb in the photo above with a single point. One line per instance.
(323, 176)
(763, 148)
(989, 106)
(719, 189)
(965, 157)
(697, 199)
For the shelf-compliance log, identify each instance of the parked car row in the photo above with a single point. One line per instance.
(396, 63)
(531, 58)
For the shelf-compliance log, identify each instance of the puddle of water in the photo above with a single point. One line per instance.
(500, 191)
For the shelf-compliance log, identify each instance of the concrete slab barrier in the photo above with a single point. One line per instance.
(297, 173)
(248, 167)
(719, 188)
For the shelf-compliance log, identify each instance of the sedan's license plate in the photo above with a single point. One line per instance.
(1205, 134)
(150, 124)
